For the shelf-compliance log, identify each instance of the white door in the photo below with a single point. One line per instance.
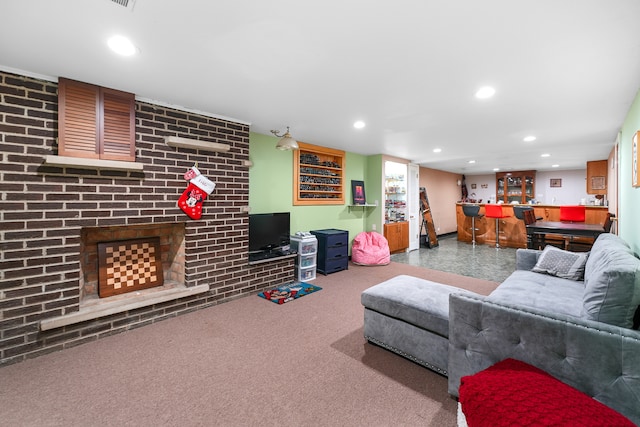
(413, 206)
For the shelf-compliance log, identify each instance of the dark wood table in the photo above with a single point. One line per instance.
(538, 231)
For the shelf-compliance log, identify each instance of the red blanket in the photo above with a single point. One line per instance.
(513, 393)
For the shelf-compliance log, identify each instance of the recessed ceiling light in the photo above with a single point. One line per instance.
(485, 92)
(529, 138)
(359, 124)
(121, 45)
(437, 150)
(555, 166)
(545, 155)
(472, 161)
(496, 169)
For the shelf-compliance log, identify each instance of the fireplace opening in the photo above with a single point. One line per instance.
(129, 265)
(122, 261)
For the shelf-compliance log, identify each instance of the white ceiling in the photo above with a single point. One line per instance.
(564, 70)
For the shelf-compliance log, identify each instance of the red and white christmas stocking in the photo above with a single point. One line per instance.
(191, 200)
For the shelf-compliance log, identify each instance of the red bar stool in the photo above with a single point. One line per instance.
(495, 211)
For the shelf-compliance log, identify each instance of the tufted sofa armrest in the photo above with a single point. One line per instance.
(601, 360)
(526, 258)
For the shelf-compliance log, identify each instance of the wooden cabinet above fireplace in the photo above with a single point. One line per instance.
(95, 122)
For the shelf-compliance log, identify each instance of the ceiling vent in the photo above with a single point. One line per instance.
(126, 3)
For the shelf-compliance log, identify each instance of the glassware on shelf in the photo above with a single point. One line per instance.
(395, 191)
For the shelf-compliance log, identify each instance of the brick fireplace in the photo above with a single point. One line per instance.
(53, 215)
(170, 252)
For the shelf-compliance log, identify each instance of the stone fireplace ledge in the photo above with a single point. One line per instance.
(81, 162)
(107, 308)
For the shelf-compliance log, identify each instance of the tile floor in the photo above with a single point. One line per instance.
(482, 261)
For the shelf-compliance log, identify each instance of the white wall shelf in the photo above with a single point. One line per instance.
(366, 205)
(195, 144)
(81, 162)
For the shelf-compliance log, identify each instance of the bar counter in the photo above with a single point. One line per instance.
(513, 233)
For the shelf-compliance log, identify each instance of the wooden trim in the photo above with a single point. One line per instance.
(635, 160)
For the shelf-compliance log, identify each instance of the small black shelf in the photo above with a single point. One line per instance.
(274, 258)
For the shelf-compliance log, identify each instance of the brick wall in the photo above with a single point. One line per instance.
(44, 208)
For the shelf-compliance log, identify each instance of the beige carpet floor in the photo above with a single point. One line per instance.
(248, 362)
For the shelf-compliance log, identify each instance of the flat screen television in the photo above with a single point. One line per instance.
(268, 231)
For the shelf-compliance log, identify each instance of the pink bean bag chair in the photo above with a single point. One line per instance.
(370, 248)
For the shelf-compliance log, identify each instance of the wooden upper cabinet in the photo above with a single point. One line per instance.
(95, 122)
(597, 177)
(515, 187)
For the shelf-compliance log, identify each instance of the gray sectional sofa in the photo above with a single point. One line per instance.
(580, 330)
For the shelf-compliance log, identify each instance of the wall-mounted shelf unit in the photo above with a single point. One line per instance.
(275, 258)
(176, 141)
(597, 177)
(318, 175)
(366, 205)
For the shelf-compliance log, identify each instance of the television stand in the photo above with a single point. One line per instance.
(262, 257)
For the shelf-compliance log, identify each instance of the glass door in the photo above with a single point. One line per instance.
(500, 189)
(514, 189)
(529, 188)
(395, 192)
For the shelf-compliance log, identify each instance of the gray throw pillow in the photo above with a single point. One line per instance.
(559, 263)
(612, 288)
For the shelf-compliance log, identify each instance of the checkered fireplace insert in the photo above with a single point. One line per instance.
(129, 265)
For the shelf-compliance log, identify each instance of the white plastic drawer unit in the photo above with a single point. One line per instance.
(306, 273)
(307, 260)
(304, 245)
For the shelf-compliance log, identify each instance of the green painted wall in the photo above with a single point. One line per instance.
(629, 197)
(271, 189)
(374, 180)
